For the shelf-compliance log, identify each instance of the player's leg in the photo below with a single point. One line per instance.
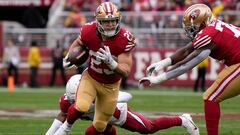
(226, 86)
(64, 127)
(136, 122)
(105, 104)
(84, 98)
(164, 122)
(58, 121)
(203, 79)
(195, 89)
(91, 131)
(86, 93)
(110, 130)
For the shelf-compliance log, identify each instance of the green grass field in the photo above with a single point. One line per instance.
(147, 101)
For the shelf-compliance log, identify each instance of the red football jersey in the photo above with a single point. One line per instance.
(225, 36)
(120, 43)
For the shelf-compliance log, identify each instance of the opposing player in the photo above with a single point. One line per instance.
(123, 116)
(210, 37)
(68, 99)
(110, 48)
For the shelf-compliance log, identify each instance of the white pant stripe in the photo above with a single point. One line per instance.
(224, 84)
(137, 118)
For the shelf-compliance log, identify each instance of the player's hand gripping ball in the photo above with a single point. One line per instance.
(78, 55)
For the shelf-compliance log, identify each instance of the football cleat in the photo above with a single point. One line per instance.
(188, 123)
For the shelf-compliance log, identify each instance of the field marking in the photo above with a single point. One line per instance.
(146, 92)
(16, 113)
(164, 93)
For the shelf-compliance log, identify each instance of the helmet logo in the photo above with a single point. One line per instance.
(194, 14)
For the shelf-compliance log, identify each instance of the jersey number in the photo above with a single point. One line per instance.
(95, 63)
(234, 29)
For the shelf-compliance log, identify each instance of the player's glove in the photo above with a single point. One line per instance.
(67, 64)
(106, 57)
(148, 81)
(158, 66)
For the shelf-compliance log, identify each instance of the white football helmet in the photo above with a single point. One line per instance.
(107, 11)
(72, 86)
(195, 18)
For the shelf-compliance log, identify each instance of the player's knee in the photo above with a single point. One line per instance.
(82, 106)
(100, 126)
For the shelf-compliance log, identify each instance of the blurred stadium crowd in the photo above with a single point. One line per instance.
(156, 24)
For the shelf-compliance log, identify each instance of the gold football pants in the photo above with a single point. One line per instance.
(226, 85)
(105, 98)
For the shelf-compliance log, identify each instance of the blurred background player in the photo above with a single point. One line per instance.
(201, 75)
(11, 59)
(34, 61)
(210, 37)
(123, 116)
(110, 48)
(57, 56)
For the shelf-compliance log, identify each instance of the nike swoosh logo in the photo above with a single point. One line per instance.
(195, 127)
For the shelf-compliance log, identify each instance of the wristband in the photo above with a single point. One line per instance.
(166, 62)
(113, 64)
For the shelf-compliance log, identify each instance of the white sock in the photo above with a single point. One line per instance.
(66, 126)
(54, 127)
(183, 120)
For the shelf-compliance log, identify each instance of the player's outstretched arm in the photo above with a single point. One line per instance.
(186, 64)
(182, 53)
(178, 56)
(190, 62)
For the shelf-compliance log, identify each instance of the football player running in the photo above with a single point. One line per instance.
(210, 37)
(110, 48)
(123, 116)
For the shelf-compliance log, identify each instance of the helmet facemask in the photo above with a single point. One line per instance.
(195, 18)
(108, 31)
(107, 12)
(191, 31)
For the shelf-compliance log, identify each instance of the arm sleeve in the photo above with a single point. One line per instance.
(188, 65)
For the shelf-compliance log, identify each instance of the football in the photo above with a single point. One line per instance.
(78, 55)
